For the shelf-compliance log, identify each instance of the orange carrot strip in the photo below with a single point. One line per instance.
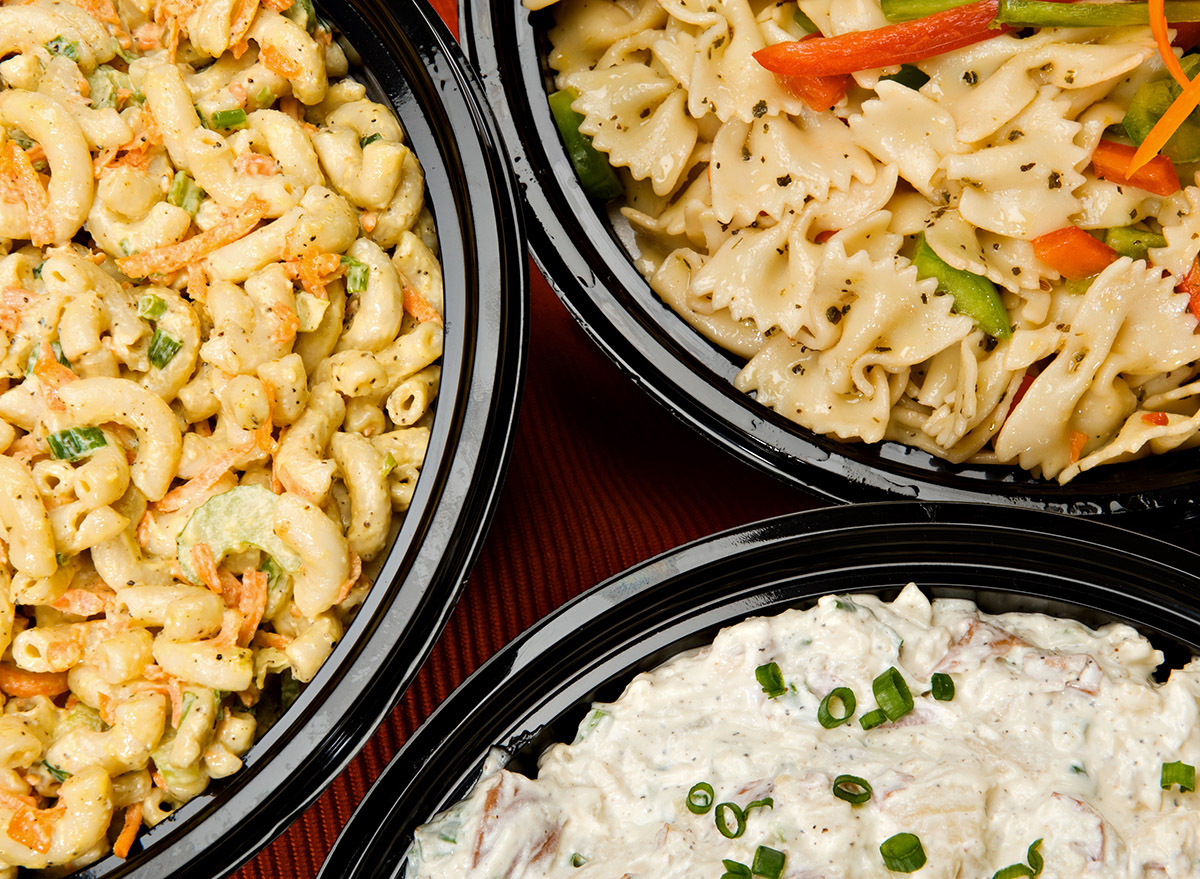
(418, 306)
(255, 163)
(1179, 110)
(1078, 441)
(175, 256)
(355, 573)
(1162, 40)
(80, 602)
(1159, 419)
(190, 491)
(22, 684)
(252, 604)
(9, 800)
(129, 831)
(197, 281)
(13, 302)
(1073, 253)
(278, 5)
(206, 567)
(18, 171)
(240, 27)
(280, 63)
(34, 828)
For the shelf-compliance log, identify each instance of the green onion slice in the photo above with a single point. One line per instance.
(872, 719)
(739, 820)
(764, 803)
(163, 348)
(700, 798)
(768, 862)
(1013, 871)
(265, 97)
(943, 687)
(184, 193)
(578, 860)
(852, 789)
(75, 442)
(60, 45)
(389, 464)
(1182, 774)
(274, 573)
(735, 870)
(1035, 857)
(903, 853)
(827, 718)
(357, 273)
(1018, 871)
(771, 679)
(151, 307)
(234, 118)
(892, 694)
(369, 139)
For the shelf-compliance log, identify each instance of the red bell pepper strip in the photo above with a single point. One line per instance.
(1190, 287)
(901, 43)
(1158, 419)
(819, 93)
(1073, 253)
(1112, 161)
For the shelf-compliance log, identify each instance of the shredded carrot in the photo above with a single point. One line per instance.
(51, 375)
(148, 36)
(418, 306)
(35, 153)
(1190, 287)
(1078, 440)
(368, 220)
(286, 323)
(314, 270)
(9, 800)
(105, 705)
(255, 163)
(355, 573)
(197, 281)
(292, 107)
(145, 528)
(22, 684)
(276, 61)
(252, 604)
(1179, 110)
(34, 828)
(1158, 26)
(246, 10)
(191, 491)
(271, 639)
(158, 780)
(81, 603)
(129, 831)
(1159, 419)
(262, 433)
(175, 256)
(206, 567)
(231, 622)
(13, 302)
(101, 163)
(18, 173)
(278, 5)
(107, 13)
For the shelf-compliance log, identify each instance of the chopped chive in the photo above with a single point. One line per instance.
(369, 139)
(357, 273)
(151, 307)
(735, 870)
(903, 853)
(764, 803)
(739, 820)
(1021, 871)
(852, 789)
(58, 774)
(872, 719)
(235, 118)
(61, 558)
(60, 45)
(943, 687)
(768, 862)
(700, 798)
(892, 694)
(163, 348)
(75, 442)
(845, 696)
(1182, 774)
(770, 678)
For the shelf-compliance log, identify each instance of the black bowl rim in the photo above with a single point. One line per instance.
(471, 191)
(1023, 559)
(581, 256)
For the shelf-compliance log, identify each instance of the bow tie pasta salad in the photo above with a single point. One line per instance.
(220, 327)
(969, 228)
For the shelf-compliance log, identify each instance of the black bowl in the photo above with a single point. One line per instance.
(537, 689)
(578, 246)
(418, 68)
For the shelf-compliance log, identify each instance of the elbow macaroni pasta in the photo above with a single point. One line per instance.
(220, 326)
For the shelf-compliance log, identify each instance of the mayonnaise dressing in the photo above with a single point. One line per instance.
(1056, 732)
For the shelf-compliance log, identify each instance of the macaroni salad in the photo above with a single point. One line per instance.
(221, 315)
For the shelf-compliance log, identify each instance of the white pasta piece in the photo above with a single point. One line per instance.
(584, 31)
(1007, 262)
(1180, 218)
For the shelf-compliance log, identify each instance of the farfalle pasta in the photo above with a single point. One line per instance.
(221, 315)
(894, 250)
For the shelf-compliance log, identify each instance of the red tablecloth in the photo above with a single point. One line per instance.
(600, 478)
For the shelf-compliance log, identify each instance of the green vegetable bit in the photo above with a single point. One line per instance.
(75, 442)
(974, 295)
(163, 348)
(60, 45)
(872, 719)
(770, 678)
(21, 139)
(903, 853)
(943, 687)
(1018, 871)
(357, 274)
(235, 118)
(36, 353)
(1040, 13)
(806, 23)
(577, 860)
(700, 798)
(151, 307)
(303, 13)
(892, 694)
(906, 10)
(735, 870)
(908, 75)
(591, 166)
(827, 718)
(1179, 773)
(1133, 242)
(105, 85)
(768, 862)
(369, 139)
(1151, 101)
(184, 193)
(59, 775)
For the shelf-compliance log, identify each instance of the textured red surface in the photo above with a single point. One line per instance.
(601, 477)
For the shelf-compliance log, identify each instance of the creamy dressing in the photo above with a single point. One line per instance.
(1055, 732)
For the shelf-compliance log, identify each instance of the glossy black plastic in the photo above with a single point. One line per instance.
(417, 65)
(537, 689)
(578, 246)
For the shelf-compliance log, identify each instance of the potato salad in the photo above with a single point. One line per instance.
(220, 332)
(860, 738)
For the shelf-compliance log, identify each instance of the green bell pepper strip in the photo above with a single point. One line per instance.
(1131, 242)
(974, 295)
(591, 166)
(908, 75)
(1151, 101)
(1042, 13)
(907, 10)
